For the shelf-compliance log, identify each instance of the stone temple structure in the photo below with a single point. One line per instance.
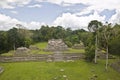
(56, 45)
(22, 51)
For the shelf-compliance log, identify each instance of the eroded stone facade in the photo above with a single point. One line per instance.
(56, 45)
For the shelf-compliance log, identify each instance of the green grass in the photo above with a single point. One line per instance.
(40, 52)
(41, 45)
(78, 70)
(10, 53)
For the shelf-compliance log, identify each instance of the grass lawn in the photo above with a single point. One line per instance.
(78, 70)
(10, 53)
(41, 45)
(40, 52)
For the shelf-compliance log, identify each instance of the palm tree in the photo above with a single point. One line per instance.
(107, 32)
(94, 26)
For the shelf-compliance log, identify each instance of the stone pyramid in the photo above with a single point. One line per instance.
(56, 45)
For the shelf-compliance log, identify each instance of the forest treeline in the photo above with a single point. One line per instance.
(17, 37)
(107, 34)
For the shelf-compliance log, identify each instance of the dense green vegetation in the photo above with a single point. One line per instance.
(14, 37)
(103, 37)
(78, 70)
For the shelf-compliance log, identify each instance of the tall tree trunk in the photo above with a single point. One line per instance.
(96, 50)
(106, 57)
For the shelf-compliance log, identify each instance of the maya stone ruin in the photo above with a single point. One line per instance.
(22, 51)
(56, 45)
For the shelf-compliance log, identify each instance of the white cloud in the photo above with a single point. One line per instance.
(14, 12)
(59, 2)
(66, 4)
(34, 25)
(110, 4)
(66, 19)
(115, 18)
(97, 5)
(35, 6)
(10, 4)
(7, 23)
(51, 1)
(76, 22)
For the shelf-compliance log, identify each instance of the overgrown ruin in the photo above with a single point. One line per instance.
(22, 51)
(56, 45)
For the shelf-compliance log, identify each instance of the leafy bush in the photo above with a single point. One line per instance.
(114, 46)
(90, 53)
(68, 43)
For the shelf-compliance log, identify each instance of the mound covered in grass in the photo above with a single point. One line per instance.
(74, 70)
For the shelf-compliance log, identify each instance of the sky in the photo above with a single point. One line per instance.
(74, 14)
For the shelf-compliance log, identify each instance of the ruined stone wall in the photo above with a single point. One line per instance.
(22, 51)
(41, 57)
